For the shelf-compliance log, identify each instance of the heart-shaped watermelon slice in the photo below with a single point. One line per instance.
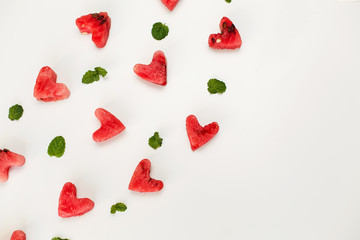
(199, 135)
(70, 205)
(110, 125)
(46, 89)
(141, 180)
(9, 159)
(229, 38)
(98, 24)
(18, 235)
(155, 72)
(170, 4)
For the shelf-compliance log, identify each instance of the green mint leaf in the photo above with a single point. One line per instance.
(121, 207)
(159, 31)
(216, 86)
(57, 147)
(90, 77)
(15, 112)
(155, 141)
(228, 1)
(57, 238)
(101, 71)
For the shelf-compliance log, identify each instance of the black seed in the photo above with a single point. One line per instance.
(224, 25)
(100, 18)
(5, 150)
(102, 22)
(231, 28)
(213, 40)
(94, 15)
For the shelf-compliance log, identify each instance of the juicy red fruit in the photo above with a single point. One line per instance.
(199, 135)
(70, 205)
(141, 180)
(9, 159)
(155, 72)
(98, 24)
(18, 235)
(46, 89)
(170, 4)
(229, 38)
(110, 125)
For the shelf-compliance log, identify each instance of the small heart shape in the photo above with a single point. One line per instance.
(9, 159)
(70, 205)
(170, 4)
(110, 125)
(46, 89)
(141, 180)
(229, 38)
(18, 235)
(155, 72)
(98, 24)
(199, 135)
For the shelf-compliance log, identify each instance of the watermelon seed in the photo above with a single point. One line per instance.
(100, 18)
(5, 150)
(102, 22)
(213, 40)
(94, 15)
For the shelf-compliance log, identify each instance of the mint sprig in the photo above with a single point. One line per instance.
(159, 30)
(56, 147)
(216, 86)
(15, 112)
(228, 1)
(155, 141)
(120, 207)
(57, 238)
(92, 76)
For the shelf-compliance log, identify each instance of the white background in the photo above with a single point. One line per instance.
(284, 165)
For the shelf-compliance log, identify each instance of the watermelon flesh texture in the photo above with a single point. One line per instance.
(155, 72)
(170, 4)
(18, 235)
(9, 159)
(229, 38)
(110, 126)
(46, 89)
(70, 205)
(141, 180)
(98, 24)
(199, 135)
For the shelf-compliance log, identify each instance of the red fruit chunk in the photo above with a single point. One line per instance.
(197, 134)
(98, 24)
(170, 4)
(155, 72)
(18, 235)
(141, 180)
(110, 125)
(69, 205)
(46, 89)
(9, 159)
(229, 38)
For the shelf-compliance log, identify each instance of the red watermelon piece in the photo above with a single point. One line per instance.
(98, 24)
(229, 38)
(46, 89)
(70, 205)
(9, 159)
(199, 135)
(141, 180)
(110, 125)
(155, 72)
(170, 4)
(18, 235)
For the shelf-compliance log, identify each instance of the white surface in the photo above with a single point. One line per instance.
(284, 165)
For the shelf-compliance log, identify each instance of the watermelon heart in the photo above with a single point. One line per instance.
(98, 24)
(197, 134)
(110, 125)
(229, 38)
(18, 235)
(46, 89)
(9, 159)
(170, 4)
(69, 205)
(155, 72)
(141, 180)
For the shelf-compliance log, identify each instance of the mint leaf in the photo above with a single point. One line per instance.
(101, 71)
(216, 86)
(56, 147)
(228, 1)
(90, 77)
(159, 31)
(57, 238)
(121, 207)
(155, 141)
(15, 112)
